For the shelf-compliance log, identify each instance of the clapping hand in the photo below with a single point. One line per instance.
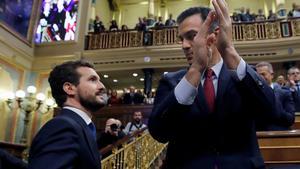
(202, 41)
(200, 45)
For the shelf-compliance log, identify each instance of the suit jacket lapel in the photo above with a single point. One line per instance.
(92, 143)
(200, 100)
(223, 81)
(87, 134)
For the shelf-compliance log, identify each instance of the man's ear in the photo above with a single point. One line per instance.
(69, 88)
(211, 39)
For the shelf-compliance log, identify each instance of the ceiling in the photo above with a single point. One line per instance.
(126, 79)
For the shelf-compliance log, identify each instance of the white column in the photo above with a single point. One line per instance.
(151, 8)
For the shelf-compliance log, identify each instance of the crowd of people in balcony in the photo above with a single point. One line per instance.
(144, 24)
(242, 15)
(130, 96)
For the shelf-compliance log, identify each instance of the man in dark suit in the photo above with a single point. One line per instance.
(206, 113)
(69, 139)
(133, 97)
(293, 85)
(284, 101)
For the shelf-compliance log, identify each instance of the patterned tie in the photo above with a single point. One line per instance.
(209, 90)
(93, 130)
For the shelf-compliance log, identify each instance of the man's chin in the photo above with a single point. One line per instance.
(102, 99)
(102, 102)
(96, 108)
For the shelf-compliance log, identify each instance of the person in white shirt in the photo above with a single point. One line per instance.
(136, 124)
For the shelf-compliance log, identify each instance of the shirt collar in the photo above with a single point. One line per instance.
(80, 113)
(216, 68)
(272, 85)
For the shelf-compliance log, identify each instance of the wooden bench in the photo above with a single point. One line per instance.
(280, 147)
(297, 122)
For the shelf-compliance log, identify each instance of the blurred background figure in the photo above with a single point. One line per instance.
(280, 80)
(136, 123)
(98, 25)
(284, 101)
(109, 136)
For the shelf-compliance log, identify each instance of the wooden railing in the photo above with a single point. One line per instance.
(245, 31)
(138, 151)
(280, 147)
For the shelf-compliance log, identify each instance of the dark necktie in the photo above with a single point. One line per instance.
(93, 130)
(298, 87)
(209, 90)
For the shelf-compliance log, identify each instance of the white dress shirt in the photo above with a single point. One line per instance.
(186, 93)
(80, 113)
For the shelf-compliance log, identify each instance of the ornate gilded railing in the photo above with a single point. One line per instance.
(140, 153)
(117, 39)
(246, 31)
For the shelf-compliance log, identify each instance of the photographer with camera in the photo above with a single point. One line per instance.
(109, 136)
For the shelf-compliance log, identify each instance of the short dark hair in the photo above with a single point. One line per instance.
(65, 72)
(202, 11)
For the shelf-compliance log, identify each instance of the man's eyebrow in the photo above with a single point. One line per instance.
(94, 76)
(189, 32)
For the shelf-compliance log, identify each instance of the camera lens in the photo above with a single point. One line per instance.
(114, 127)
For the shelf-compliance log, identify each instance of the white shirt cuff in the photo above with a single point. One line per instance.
(241, 69)
(185, 92)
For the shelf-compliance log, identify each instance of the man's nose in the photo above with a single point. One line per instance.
(101, 87)
(186, 44)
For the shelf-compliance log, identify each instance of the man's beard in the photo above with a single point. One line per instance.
(93, 105)
(137, 121)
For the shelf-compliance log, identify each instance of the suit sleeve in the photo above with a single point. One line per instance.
(287, 110)
(55, 146)
(8, 160)
(162, 121)
(259, 96)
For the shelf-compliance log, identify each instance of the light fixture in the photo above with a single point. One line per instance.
(144, 3)
(142, 79)
(28, 102)
(134, 74)
(115, 80)
(105, 76)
